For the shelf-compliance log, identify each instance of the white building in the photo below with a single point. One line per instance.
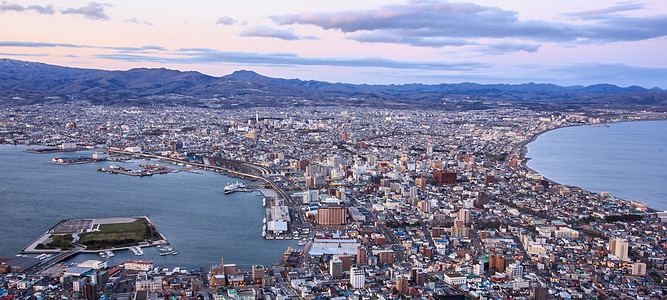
(639, 269)
(133, 149)
(152, 285)
(137, 265)
(311, 196)
(357, 277)
(93, 264)
(66, 146)
(455, 278)
(514, 271)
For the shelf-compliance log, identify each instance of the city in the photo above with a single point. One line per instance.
(386, 203)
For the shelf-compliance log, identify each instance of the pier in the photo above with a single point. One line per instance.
(240, 169)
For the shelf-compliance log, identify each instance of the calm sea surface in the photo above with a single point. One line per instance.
(190, 210)
(628, 160)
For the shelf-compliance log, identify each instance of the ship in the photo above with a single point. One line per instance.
(232, 187)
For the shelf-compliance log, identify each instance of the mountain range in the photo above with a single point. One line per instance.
(24, 82)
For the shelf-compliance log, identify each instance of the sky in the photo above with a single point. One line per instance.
(566, 42)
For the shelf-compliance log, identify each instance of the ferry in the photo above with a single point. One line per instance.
(232, 187)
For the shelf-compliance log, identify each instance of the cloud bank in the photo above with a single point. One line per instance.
(47, 10)
(92, 11)
(438, 23)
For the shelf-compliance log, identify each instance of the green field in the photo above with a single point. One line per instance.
(117, 235)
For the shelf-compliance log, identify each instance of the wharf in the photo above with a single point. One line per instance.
(52, 150)
(148, 170)
(72, 162)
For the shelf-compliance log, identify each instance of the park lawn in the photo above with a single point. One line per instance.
(116, 235)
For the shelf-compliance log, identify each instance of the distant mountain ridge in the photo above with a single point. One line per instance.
(24, 82)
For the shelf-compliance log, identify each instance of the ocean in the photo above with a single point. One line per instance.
(190, 210)
(628, 159)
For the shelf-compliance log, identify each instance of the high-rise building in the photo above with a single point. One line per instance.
(303, 164)
(482, 198)
(414, 192)
(464, 215)
(420, 181)
(460, 231)
(619, 247)
(335, 161)
(331, 215)
(417, 276)
(89, 291)
(257, 273)
(357, 277)
(310, 196)
(362, 255)
(498, 262)
(347, 261)
(539, 292)
(386, 257)
(638, 269)
(444, 177)
(402, 284)
(514, 270)
(424, 206)
(336, 268)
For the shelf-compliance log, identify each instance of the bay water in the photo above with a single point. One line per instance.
(190, 210)
(628, 159)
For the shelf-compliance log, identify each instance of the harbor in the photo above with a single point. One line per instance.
(147, 170)
(199, 225)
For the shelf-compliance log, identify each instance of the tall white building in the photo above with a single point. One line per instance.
(619, 247)
(357, 277)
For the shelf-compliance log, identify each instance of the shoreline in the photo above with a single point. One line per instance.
(523, 151)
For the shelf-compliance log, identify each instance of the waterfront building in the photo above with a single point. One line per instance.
(258, 272)
(137, 265)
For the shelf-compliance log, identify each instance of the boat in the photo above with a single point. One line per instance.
(109, 253)
(232, 187)
(137, 250)
(301, 243)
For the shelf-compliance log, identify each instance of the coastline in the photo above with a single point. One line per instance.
(523, 151)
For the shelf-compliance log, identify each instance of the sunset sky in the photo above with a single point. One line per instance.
(567, 42)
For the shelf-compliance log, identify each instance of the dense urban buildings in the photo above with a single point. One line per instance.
(386, 203)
